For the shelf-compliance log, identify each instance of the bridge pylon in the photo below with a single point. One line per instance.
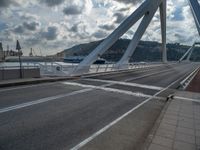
(146, 11)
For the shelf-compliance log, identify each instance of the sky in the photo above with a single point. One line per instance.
(50, 26)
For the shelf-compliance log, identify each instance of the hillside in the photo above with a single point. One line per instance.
(145, 51)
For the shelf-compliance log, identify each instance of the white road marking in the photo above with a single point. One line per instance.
(19, 106)
(187, 99)
(137, 94)
(127, 84)
(88, 88)
(185, 83)
(147, 75)
(24, 87)
(84, 142)
(43, 100)
(35, 85)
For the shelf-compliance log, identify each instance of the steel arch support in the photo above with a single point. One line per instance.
(189, 55)
(187, 52)
(195, 8)
(115, 35)
(123, 63)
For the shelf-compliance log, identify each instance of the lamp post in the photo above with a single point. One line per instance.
(18, 47)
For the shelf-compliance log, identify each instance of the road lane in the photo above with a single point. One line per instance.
(62, 123)
(163, 79)
(18, 96)
(15, 96)
(65, 122)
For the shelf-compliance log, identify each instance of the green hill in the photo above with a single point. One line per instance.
(145, 51)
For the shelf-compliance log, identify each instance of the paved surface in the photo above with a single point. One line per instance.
(27, 81)
(179, 126)
(61, 115)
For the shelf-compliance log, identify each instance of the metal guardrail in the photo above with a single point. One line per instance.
(17, 67)
(62, 69)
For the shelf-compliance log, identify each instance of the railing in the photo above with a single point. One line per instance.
(17, 67)
(66, 69)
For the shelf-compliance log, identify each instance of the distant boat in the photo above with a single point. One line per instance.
(78, 59)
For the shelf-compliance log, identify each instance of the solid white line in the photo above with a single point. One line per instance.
(185, 83)
(147, 75)
(24, 87)
(84, 142)
(137, 94)
(128, 84)
(187, 99)
(43, 100)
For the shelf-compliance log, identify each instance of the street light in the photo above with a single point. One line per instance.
(18, 47)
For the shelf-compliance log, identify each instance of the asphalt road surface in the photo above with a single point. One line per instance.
(61, 115)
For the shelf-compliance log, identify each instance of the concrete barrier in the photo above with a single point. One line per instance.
(6, 74)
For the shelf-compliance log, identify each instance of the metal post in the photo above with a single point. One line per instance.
(18, 47)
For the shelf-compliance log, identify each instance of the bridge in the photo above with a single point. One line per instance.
(118, 108)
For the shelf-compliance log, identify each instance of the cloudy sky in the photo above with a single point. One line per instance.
(50, 26)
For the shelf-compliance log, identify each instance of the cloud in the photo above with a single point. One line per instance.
(78, 31)
(26, 26)
(107, 27)
(43, 23)
(32, 26)
(52, 3)
(3, 26)
(119, 17)
(19, 29)
(129, 1)
(74, 28)
(5, 3)
(99, 34)
(72, 10)
(50, 34)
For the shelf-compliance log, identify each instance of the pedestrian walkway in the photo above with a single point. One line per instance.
(178, 127)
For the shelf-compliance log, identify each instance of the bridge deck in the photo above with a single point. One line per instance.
(121, 107)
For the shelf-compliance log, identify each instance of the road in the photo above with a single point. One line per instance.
(63, 114)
